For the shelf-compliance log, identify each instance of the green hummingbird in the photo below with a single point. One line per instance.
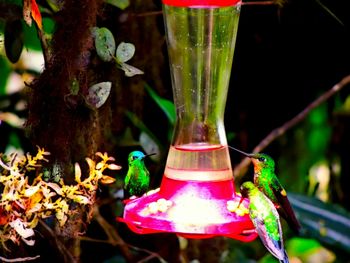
(266, 180)
(266, 220)
(137, 179)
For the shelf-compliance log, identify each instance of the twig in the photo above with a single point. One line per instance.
(115, 240)
(241, 168)
(151, 254)
(329, 12)
(259, 3)
(113, 236)
(151, 13)
(44, 45)
(18, 259)
(64, 251)
(3, 165)
(6, 167)
(95, 240)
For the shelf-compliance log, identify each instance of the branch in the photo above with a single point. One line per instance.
(150, 13)
(63, 250)
(44, 45)
(151, 255)
(95, 240)
(112, 234)
(259, 3)
(115, 240)
(19, 259)
(242, 167)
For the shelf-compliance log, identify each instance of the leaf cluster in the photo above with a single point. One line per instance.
(107, 51)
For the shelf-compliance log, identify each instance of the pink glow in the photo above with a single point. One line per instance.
(190, 209)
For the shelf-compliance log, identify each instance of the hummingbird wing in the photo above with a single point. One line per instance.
(285, 209)
(285, 259)
(126, 180)
(126, 186)
(274, 246)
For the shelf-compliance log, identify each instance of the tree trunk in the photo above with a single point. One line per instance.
(59, 121)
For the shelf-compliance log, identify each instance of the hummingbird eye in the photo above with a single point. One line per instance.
(262, 159)
(134, 158)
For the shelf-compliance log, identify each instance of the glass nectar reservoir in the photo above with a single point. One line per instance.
(196, 198)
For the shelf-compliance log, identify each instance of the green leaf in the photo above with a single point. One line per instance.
(31, 39)
(343, 107)
(49, 25)
(13, 40)
(98, 94)
(104, 43)
(327, 223)
(121, 4)
(308, 250)
(268, 258)
(14, 141)
(302, 246)
(167, 106)
(4, 74)
(125, 51)
(319, 131)
(56, 5)
(230, 136)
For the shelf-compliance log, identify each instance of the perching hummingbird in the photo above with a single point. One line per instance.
(266, 220)
(137, 179)
(266, 180)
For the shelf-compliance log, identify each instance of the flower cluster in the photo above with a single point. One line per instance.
(161, 205)
(23, 203)
(237, 207)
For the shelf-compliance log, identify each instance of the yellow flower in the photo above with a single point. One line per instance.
(105, 157)
(41, 154)
(24, 203)
(114, 167)
(235, 207)
(81, 199)
(107, 179)
(77, 172)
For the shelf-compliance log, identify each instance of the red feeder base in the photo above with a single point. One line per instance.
(192, 209)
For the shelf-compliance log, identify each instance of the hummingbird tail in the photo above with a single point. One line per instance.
(288, 214)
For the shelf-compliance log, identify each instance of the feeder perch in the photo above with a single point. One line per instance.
(197, 197)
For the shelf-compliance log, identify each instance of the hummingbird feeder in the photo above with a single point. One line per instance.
(197, 197)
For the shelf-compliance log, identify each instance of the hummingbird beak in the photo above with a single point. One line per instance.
(147, 155)
(244, 194)
(244, 153)
(240, 201)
